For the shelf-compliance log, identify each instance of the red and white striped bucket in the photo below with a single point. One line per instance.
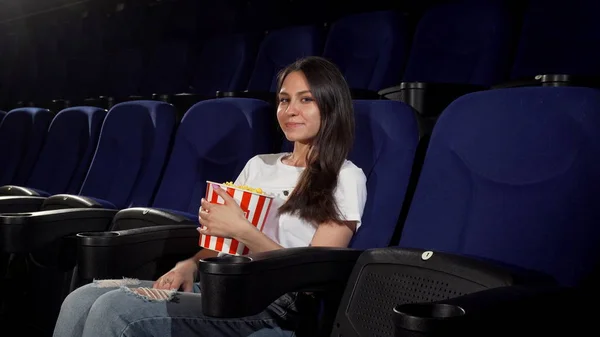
(256, 207)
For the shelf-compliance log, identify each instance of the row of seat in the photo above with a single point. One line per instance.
(496, 184)
(141, 158)
(51, 47)
(482, 45)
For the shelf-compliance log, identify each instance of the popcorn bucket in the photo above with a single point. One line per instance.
(256, 207)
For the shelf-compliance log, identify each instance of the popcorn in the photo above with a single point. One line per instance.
(244, 187)
(256, 206)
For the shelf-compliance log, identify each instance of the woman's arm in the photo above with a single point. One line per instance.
(256, 240)
(329, 234)
(334, 234)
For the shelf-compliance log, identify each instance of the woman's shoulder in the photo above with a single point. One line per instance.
(349, 170)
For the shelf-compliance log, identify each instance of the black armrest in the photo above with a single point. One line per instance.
(104, 102)
(18, 190)
(526, 82)
(140, 217)
(61, 201)
(509, 310)
(262, 95)
(57, 105)
(182, 101)
(26, 232)
(429, 99)
(116, 253)
(552, 80)
(364, 94)
(121, 99)
(185, 97)
(19, 204)
(255, 281)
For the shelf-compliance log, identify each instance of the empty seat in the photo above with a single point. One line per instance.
(134, 144)
(125, 73)
(22, 134)
(233, 131)
(132, 150)
(281, 48)
(369, 48)
(503, 208)
(64, 159)
(167, 70)
(457, 48)
(224, 63)
(127, 164)
(511, 175)
(466, 42)
(549, 47)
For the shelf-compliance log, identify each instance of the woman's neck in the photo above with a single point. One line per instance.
(298, 156)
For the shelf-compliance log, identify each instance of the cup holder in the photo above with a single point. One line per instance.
(98, 234)
(427, 317)
(228, 259)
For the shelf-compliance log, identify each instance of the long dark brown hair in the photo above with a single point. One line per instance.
(313, 197)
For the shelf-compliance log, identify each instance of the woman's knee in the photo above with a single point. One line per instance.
(130, 302)
(82, 298)
(116, 310)
(106, 304)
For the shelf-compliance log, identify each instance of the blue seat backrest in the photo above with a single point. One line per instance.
(22, 134)
(51, 64)
(386, 141)
(125, 72)
(70, 145)
(369, 48)
(512, 175)
(281, 48)
(167, 69)
(132, 149)
(565, 48)
(214, 141)
(225, 64)
(468, 42)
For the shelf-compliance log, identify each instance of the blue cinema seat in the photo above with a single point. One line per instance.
(63, 161)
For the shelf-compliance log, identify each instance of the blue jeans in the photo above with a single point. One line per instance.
(131, 309)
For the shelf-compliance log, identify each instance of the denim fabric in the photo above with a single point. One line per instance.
(117, 309)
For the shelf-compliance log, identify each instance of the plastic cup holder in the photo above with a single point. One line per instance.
(427, 317)
(228, 259)
(99, 234)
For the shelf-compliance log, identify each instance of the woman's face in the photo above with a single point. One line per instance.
(297, 112)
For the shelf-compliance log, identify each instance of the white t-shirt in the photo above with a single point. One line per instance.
(278, 179)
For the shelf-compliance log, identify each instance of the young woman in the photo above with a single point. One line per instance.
(319, 199)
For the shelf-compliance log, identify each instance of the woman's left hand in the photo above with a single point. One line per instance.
(225, 220)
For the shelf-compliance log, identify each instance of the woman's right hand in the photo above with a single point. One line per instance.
(180, 277)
